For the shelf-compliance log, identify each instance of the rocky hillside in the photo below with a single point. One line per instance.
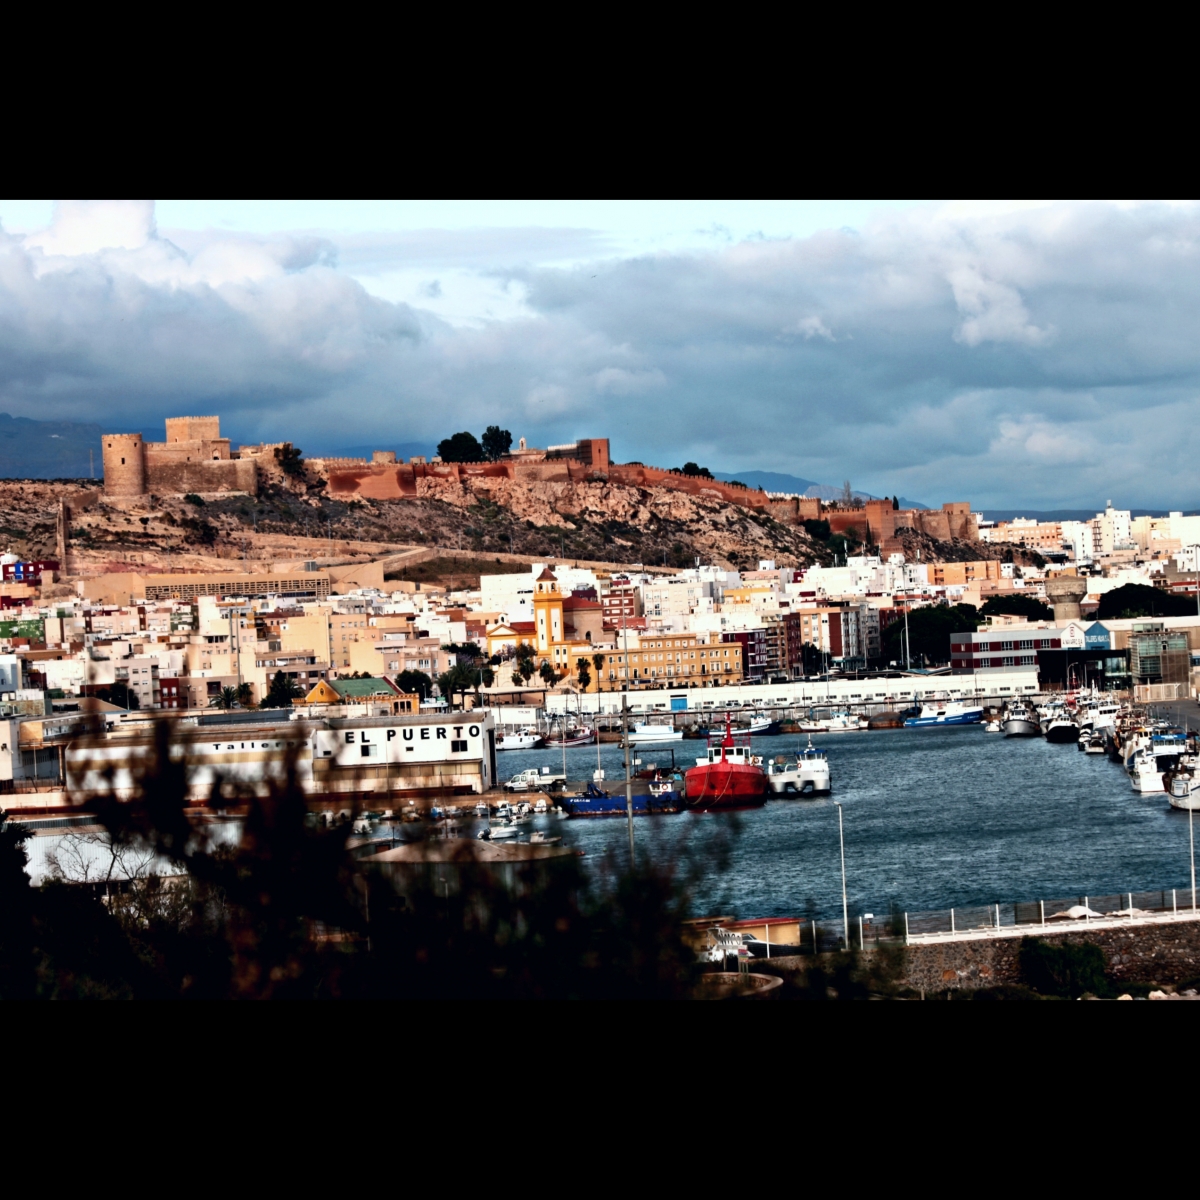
(593, 521)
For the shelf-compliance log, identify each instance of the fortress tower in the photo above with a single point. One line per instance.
(194, 458)
(124, 457)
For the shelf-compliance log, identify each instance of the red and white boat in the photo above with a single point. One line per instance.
(729, 776)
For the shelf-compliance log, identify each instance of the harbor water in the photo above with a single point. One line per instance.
(934, 819)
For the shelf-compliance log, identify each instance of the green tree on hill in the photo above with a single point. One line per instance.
(496, 443)
(461, 448)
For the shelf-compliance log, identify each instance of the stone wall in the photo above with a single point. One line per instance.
(1144, 953)
(223, 475)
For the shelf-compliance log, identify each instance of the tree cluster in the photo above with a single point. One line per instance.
(466, 448)
(929, 631)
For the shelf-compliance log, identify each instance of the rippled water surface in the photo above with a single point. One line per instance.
(934, 818)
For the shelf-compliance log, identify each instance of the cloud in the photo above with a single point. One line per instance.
(1044, 355)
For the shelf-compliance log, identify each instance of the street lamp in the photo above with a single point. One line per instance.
(845, 909)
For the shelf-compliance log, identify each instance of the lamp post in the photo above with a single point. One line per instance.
(625, 736)
(1192, 853)
(842, 846)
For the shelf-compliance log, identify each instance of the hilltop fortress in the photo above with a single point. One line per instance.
(195, 458)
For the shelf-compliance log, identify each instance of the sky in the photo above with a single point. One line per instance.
(1040, 354)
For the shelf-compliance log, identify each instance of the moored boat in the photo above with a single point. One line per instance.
(803, 774)
(526, 739)
(728, 777)
(1062, 730)
(579, 735)
(947, 712)
(1020, 721)
(646, 733)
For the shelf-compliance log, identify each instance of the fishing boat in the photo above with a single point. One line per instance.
(646, 733)
(728, 777)
(803, 774)
(1019, 721)
(575, 735)
(945, 712)
(596, 801)
(526, 739)
(1061, 730)
(1183, 790)
(838, 722)
(763, 726)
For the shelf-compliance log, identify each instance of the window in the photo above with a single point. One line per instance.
(1027, 660)
(1027, 644)
(458, 747)
(366, 751)
(1006, 645)
(1007, 660)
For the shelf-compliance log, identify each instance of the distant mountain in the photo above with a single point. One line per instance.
(48, 449)
(773, 481)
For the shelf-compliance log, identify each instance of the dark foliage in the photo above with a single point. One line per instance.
(415, 683)
(818, 530)
(200, 532)
(1014, 604)
(1138, 600)
(496, 443)
(929, 631)
(690, 468)
(291, 459)
(287, 913)
(192, 498)
(461, 448)
(1063, 970)
(282, 692)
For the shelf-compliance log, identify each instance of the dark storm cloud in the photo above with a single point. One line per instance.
(1048, 358)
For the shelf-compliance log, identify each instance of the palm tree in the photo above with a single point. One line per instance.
(598, 661)
(228, 698)
(585, 674)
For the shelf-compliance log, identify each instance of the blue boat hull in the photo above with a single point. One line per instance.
(969, 718)
(644, 804)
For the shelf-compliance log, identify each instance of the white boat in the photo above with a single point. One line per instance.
(840, 722)
(1020, 722)
(1144, 772)
(993, 727)
(1095, 743)
(643, 734)
(498, 832)
(805, 774)
(527, 739)
(1184, 792)
(946, 712)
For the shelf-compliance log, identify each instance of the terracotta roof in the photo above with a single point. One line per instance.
(547, 574)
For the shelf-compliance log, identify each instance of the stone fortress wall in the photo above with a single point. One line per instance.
(195, 458)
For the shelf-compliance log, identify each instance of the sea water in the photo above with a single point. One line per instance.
(933, 819)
